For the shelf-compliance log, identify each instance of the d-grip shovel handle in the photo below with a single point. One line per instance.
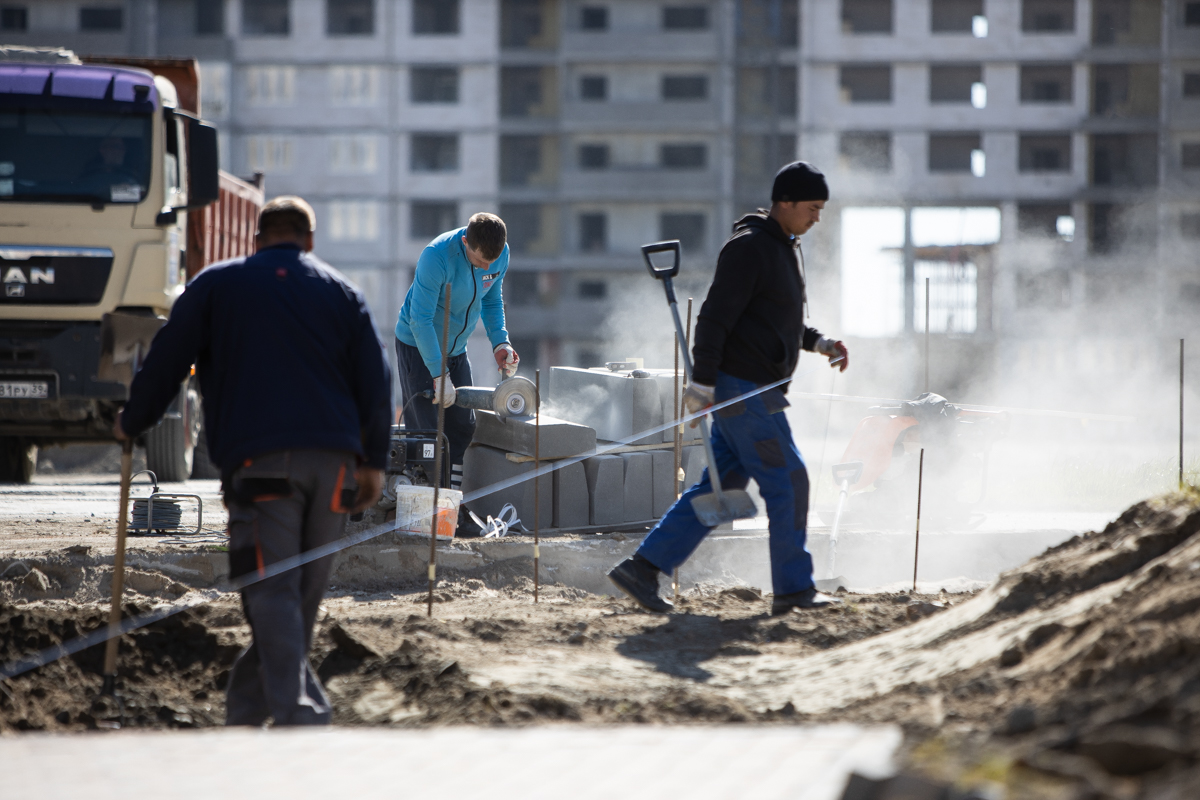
(663, 274)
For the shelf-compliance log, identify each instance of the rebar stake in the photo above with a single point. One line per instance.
(1181, 413)
(917, 547)
(927, 334)
(118, 578)
(437, 456)
(537, 479)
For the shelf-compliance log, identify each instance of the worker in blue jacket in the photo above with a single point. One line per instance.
(472, 261)
(297, 410)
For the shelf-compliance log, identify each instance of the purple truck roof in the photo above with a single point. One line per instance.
(77, 81)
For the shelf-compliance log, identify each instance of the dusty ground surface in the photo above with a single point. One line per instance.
(1073, 676)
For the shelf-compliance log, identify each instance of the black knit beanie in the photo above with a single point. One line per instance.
(797, 182)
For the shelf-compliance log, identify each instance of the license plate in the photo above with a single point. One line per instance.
(34, 390)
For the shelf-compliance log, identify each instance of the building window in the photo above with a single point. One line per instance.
(593, 156)
(1189, 225)
(99, 19)
(435, 17)
(866, 16)
(429, 219)
(1191, 15)
(353, 155)
(593, 18)
(210, 17)
(685, 87)
(682, 156)
(270, 86)
(685, 18)
(434, 152)
(433, 85)
(593, 232)
(270, 154)
(954, 152)
(1045, 220)
(593, 87)
(265, 18)
(14, 18)
(866, 151)
(768, 24)
(354, 86)
(1046, 83)
(1047, 16)
(525, 23)
(527, 92)
(1191, 84)
(521, 161)
(955, 16)
(687, 227)
(1045, 153)
(354, 221)
(1125, 159)
(593, 290)
(766, 91)
(955, 83)
(866, 84)
(1189, 155)
(350, 17)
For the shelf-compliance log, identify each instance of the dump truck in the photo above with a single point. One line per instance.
(110, 200)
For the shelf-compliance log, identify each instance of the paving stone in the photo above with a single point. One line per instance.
(606, 489)
(571, 508)
(615, 404)
(484, 466)
(556, 439)
(663, 468)
(639, 486)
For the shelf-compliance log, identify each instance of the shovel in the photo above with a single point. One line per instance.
(720, 506)
(845, 475)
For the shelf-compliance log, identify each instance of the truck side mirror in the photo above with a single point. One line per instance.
(203, 182)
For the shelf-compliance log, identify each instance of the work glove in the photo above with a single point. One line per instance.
(506, 359)
(834, 349)
(697, 397)
(438, 384)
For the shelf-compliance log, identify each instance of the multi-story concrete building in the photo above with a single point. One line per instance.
(1037, 160)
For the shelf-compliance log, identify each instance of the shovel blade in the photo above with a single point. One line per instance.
(712, 512)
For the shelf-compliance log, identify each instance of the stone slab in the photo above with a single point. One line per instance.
(556, 439)
(639, 486)
(663, 470)
(615, 404)
(606, 489)
(484, 466)
(571, 507)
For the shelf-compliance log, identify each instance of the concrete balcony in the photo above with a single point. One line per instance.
(647, 184)
(702, 115)
(630, 46)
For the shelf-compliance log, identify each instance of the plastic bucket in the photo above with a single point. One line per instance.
(414, 508)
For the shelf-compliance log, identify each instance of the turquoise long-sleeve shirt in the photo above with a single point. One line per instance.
(474, 293)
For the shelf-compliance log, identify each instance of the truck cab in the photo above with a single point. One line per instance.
(99, 167)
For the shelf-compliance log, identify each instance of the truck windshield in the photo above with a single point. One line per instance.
(49, 155)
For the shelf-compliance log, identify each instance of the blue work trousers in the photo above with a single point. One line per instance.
(751, 439)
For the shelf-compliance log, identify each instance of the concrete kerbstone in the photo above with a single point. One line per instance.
(663, 468)
(557, 439)
(571, 506)
(639, 486)
(606, 489)
(483, 466)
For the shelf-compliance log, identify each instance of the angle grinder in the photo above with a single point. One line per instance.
(513, 397)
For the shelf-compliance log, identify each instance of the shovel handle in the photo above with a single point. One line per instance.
(670, 246)
(118, 576)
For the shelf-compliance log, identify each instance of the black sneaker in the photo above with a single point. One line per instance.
(809, 598)
(638, 578)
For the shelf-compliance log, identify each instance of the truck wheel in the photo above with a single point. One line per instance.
(18, 460)
(170, 445)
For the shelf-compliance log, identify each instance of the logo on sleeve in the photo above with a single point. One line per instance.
(488, 280)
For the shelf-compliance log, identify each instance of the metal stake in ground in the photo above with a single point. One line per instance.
(118, 577)
(437, 454)
(927, 334)
(917, 547)
(537, 481)
(687, 339)
(1181, 413)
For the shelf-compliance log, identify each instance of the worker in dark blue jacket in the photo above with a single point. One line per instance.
(297, 410)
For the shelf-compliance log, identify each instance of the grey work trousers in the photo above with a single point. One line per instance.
(282, 504)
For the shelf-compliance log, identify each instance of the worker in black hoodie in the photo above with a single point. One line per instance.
(749, 334)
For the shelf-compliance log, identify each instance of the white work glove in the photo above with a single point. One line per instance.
(834, 349)
(506, 359)
(445, 383)
(697, 397)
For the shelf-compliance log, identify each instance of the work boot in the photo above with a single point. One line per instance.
(809, 598)
(638, 578)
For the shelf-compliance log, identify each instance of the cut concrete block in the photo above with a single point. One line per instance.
(571, 507)
(557, 438)
(663, 462)
(639, 486)
(666, 394)
(606, 489)
(484, 466)
(616, 405)
(694, 463)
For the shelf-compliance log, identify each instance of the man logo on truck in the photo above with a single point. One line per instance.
(15, 275)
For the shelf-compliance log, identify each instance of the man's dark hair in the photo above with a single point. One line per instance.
(486, 235)
(287, 215)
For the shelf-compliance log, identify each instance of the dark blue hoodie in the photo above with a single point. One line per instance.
(287, 356)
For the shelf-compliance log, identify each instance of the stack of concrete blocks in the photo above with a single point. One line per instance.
(562, 495)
